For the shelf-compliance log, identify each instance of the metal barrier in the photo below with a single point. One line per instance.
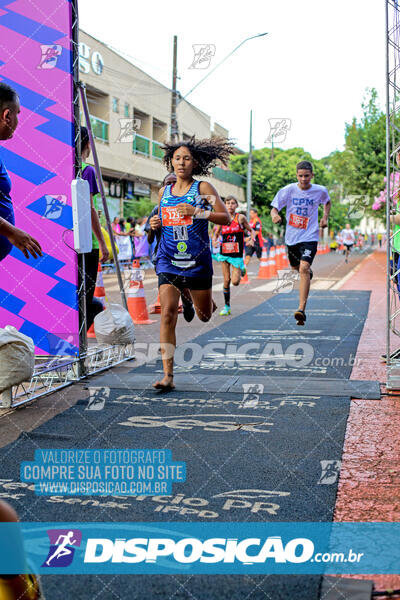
(54, 373)
(392, 23)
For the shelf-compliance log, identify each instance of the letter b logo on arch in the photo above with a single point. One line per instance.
(63, 543)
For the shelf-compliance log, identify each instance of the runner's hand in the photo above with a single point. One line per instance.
(323, 222)
(155, 222)
(276, 219)
(23, 241)
(105, 255)
(185, 209)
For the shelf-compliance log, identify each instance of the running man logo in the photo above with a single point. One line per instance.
(136, 275)
(286, 280)
(54, 206)
(203, 54)
(97, 398)
(251, 394)
(63, 543)
(50, 56)
(278, 129)
(330, 471)
(60, 347)
(357, 205)
(128, 129)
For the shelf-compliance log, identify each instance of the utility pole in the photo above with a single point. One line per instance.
(174, 120)
(250, 167)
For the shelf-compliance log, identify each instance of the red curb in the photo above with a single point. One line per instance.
(369, 485)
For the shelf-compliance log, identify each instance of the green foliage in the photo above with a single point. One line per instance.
(138, 208)
(361, 167)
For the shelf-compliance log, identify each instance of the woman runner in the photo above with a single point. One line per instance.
(231, 249)
(184, 257)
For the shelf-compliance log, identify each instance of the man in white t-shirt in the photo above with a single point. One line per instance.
(301, 201)
(348, 239)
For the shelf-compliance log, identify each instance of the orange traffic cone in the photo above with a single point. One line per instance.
(263, 272)
(99, 291)
(279, 258)
(155, 309)
(137, 303)
(100, 294)
(245, 278)
(272, 264)
(285, 260)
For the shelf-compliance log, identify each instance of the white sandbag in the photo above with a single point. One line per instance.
(17, 357)
(114, 326)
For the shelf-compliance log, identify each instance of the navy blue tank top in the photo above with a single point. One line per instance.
(184, 246)
(6, 209)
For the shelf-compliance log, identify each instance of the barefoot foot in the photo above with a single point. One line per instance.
(166, 384)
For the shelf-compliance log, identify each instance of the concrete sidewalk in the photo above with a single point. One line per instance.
(369, 485)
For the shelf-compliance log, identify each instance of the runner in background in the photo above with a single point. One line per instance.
(302, 200)
(231, 249)
(348, 238)
(184, 258)
(269, 242)
(257, 245)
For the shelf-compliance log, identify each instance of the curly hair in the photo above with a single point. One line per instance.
(205, 152)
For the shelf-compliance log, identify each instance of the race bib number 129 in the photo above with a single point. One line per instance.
(172, 218)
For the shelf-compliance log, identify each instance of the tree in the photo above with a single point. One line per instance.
(360, 169)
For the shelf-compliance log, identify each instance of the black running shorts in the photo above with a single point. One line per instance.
(181, 281)
(251, 249)
(302, 251)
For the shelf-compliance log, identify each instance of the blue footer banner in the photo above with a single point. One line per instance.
(193, 548)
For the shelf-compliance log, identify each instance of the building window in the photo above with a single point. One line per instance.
(115, 105)
(126, 110)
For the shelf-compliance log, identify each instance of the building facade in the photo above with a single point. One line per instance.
(130, 117)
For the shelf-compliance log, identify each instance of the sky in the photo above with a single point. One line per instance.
(312, 69)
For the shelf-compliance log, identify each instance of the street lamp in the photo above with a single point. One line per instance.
(220, 63)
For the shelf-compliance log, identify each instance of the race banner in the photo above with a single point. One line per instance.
(39, 297)
(284, 548)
